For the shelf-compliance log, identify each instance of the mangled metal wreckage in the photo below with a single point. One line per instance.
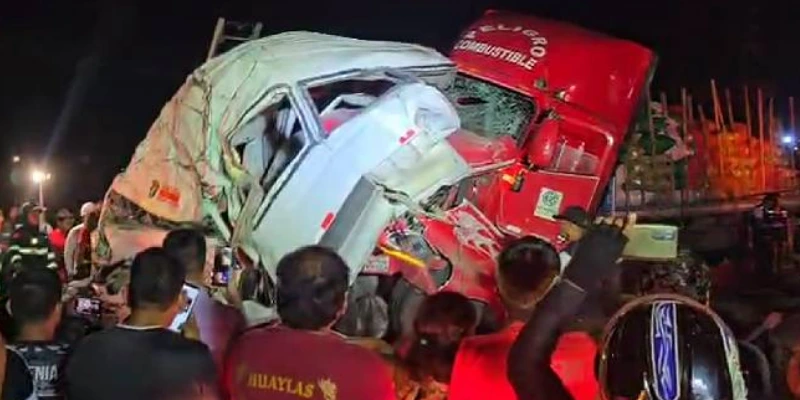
(303, 138)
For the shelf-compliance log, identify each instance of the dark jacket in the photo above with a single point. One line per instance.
(29, 247)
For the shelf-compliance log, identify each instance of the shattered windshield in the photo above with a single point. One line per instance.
(490, 110)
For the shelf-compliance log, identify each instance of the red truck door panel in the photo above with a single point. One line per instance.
(542, 195)
(565, 164)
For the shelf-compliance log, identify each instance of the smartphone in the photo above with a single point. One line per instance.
(224, 263)
(88, 307)
(190, 293)
(652, 242)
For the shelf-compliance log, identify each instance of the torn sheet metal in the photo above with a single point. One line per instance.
(188, 170)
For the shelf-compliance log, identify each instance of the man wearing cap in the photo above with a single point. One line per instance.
(30, 247)
(77, 247)
(573, 222)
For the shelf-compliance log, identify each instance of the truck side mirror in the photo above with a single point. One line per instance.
(542, 148)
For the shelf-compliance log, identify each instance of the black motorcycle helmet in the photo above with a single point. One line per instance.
(669, 347)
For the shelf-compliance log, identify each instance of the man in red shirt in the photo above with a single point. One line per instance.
(526, 269)
(64, 222)
(302, 358)
(58, 237)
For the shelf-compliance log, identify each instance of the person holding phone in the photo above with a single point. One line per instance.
(210, 321)
(142, 358)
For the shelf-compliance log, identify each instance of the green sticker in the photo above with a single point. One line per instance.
(549, 203)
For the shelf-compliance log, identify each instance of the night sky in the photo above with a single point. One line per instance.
(135, 54)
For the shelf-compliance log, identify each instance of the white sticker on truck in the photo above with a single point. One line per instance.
(549, 203)
(377, 264)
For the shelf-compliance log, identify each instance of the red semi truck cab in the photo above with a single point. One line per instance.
(567, 97)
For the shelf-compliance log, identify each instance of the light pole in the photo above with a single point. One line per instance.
(16, 178)
(39, 177)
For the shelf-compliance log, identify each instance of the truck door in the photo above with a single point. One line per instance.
(563, 167)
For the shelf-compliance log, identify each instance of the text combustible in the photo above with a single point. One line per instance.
(527, 60)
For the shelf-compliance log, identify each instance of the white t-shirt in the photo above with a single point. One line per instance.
(70, 245)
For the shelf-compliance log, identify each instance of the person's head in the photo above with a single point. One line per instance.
(64, 219)
(188, 246)
(35, 299)
(312, 288)
(668, 346)
(526, 269)
(572, 223)
(31, 213)
(771, 200)
(156, 284)
(90, 213)
(442, 322)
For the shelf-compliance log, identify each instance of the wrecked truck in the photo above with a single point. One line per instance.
(567, 97)
(303, 138)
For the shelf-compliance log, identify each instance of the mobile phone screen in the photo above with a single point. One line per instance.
(86, 306)
(224, 263)
(222, 277)
(190, 293)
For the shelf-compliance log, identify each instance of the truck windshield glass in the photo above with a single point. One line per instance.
(490, 110)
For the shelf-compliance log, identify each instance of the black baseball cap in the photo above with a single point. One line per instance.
(30, 208)
(575, 214)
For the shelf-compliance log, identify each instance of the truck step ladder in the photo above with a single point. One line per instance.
(228, 34)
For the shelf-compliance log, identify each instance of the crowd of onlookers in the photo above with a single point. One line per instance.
(64, 245)
(80, 332)
(125, 349)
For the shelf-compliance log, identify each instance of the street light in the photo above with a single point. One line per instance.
(15, 159)
(39, 177)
